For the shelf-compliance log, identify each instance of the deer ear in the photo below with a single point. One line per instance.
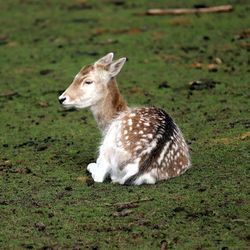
(115, 67)
(106, 59)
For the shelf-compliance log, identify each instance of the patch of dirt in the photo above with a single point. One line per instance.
(122, 213)
(163, 85)
(243, 34)
(3, 39)
(40, 226)
(245, 45)
(211, 67)
(118, 2)
(24, 170)
(164, 245)
(39, 145)
(27, 246)
(43, 104)
(199, 5)
(188, 49)
(179, 209)
(195, 215)
(203, 84)
(4, 202)
(9, 95)
(124, 206)
(229, 140)
(5, 165)
(244, 123)
(124, 209)
(44, 72)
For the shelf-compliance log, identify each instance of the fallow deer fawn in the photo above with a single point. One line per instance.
(140, 145)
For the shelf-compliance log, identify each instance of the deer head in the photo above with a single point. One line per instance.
(90, 85)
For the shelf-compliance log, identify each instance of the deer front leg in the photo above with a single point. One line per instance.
(99, 170)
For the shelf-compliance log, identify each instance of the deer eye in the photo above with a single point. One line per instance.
(88, 82)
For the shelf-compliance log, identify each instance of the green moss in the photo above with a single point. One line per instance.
(46, 198)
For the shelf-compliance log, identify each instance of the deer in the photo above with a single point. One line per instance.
(140, 145)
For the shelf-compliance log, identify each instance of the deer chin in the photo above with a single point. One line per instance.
(68, 106)
(73, 106)
(81, 105)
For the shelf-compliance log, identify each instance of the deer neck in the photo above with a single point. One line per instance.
(109, 107)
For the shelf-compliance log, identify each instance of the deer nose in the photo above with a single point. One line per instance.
(62, 99)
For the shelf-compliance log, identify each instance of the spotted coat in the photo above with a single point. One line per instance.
(150, 135)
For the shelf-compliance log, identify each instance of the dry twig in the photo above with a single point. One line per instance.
(212, 9)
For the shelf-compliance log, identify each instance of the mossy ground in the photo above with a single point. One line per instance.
(47, 200)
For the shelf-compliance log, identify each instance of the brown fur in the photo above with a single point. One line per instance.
(110, 106)
(85, 70)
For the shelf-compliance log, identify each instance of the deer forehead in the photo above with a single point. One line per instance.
(95, 73)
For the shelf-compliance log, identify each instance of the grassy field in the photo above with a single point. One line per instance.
(48, 201)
